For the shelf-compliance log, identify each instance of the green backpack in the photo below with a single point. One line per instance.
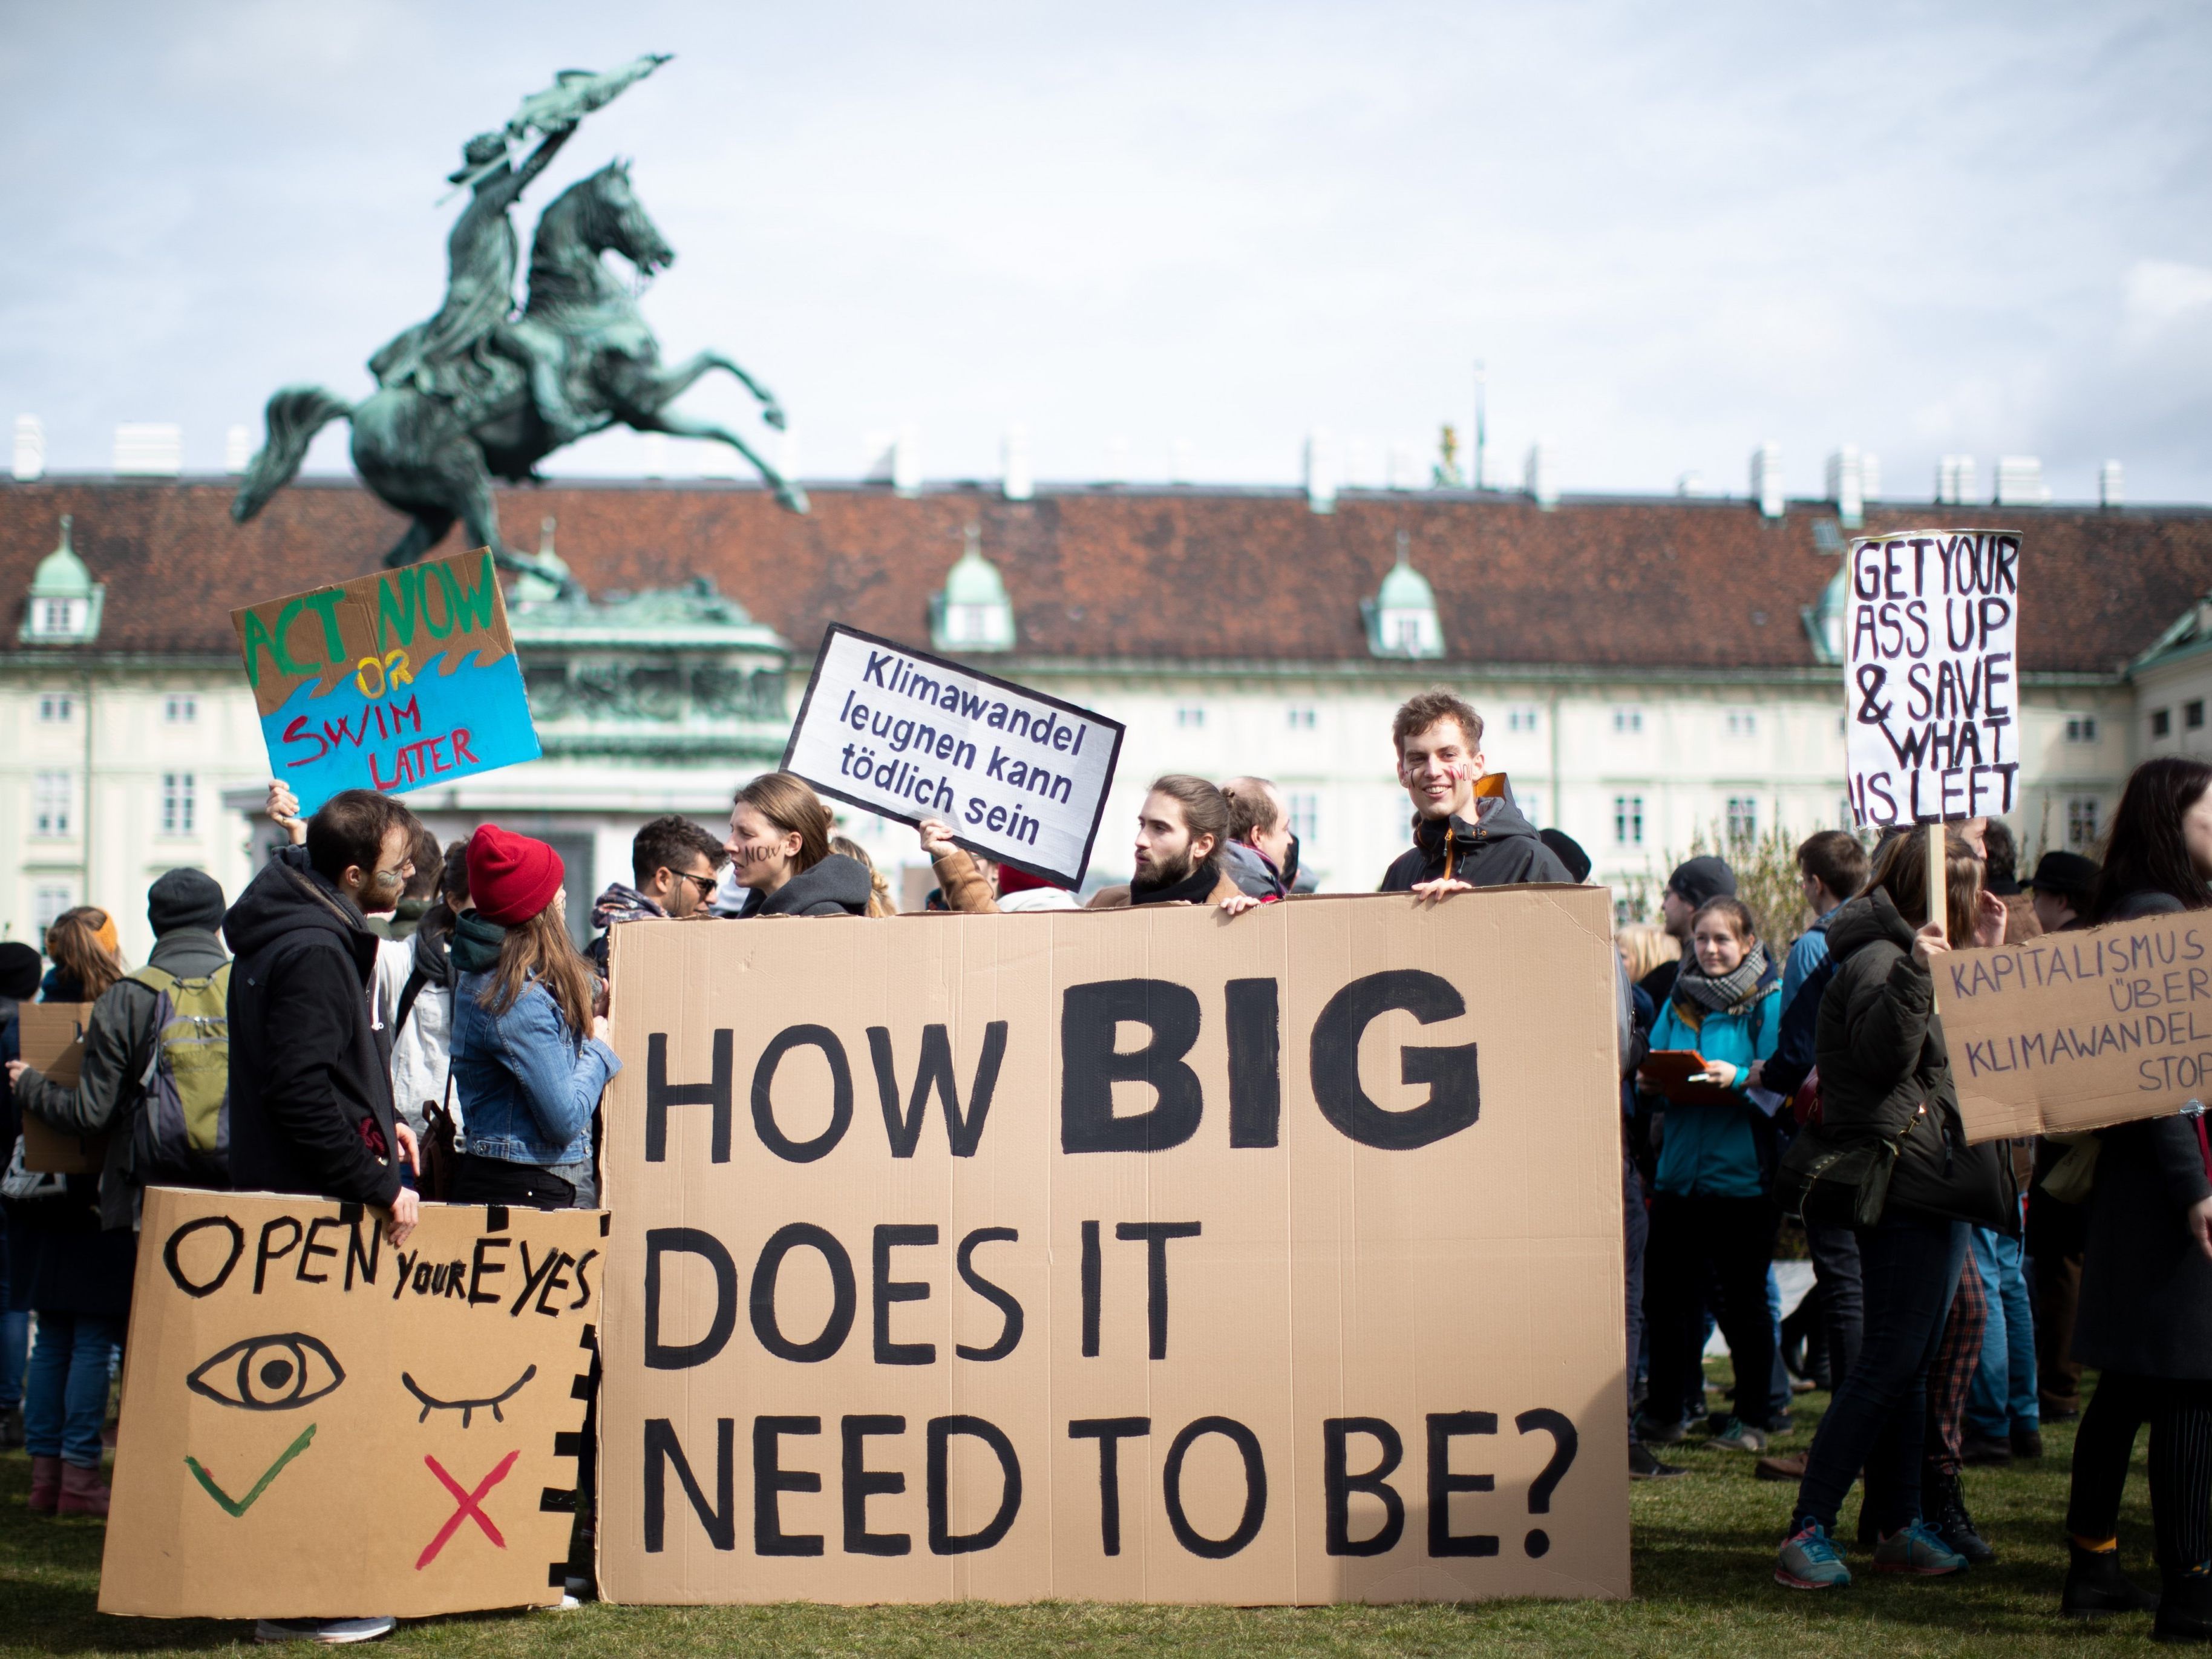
(181, 1134)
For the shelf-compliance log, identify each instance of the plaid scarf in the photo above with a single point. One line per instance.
(621, 903)
(1697, 993)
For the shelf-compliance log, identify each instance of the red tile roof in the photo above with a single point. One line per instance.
(1190, 573)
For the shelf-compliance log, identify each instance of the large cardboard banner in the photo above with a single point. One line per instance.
(1020, 777)
(1932, 676)
(1130, 1255)
(316, 1425)
(2078, 1030)
(389, 682)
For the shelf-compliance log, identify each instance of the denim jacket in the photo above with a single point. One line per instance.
(527, 1087)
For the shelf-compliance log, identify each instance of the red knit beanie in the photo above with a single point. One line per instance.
(1012, 880)
(511, 877)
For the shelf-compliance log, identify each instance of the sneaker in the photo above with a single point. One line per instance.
(2027, 1445)
(1736, 1435)
(1986, 1454)
(329, 1632)
(1810, 1561)
(1779, 1469)
(1662, 1434)
(1643, 1465)
(1916, 1549)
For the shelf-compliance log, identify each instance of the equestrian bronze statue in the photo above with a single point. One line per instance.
(479, 392)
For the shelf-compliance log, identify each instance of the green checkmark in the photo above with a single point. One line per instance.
(238, 1507)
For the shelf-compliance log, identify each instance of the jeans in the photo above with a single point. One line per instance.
(1734, 1238)
(1910, 1268)
(1635, 1234)
(1835, 1253)
(15, 1356)
(2002, 1399)
(66, 1395)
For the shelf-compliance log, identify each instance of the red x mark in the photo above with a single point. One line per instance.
(469, 1507)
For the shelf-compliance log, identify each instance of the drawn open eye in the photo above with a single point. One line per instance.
(268, 1373)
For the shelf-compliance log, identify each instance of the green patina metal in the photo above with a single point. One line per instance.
(477, 392)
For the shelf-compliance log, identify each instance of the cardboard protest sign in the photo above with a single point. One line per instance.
(317, 1424)
(53, 1038)
(1020, 777)
(2078, 1030)
(1144, 1256)
(388, 682)
(1932, 676)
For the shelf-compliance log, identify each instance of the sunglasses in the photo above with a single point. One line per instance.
(705, 885)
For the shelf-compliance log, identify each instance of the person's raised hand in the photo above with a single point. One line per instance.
(602, 1031)
(1990, 915)
(283, 808)
(406, 1210)
(410, 1150)
(2200, 1224)
(1436, 892)
(15, 1070)
(1930, 942)
(1238, 905)
(936, 836)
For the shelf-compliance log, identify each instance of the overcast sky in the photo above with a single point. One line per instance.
(1671, 231)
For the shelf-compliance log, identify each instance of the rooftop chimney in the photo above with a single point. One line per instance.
(1955, 480)
(149, 449)
(656, 454)
(2111, 484)
(30, 449)
(238, 449)
(1690, 483)
(1117, 460)
(2019, 482)
(1321, 470)
(1540, 475)
(1403, 469)
(1847, 487)
(1179, 462)
(1766, 479)
(1015, 481)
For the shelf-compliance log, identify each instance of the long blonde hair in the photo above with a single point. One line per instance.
(879, 886)
(77, 941)
(541, 945)
(1644, 946)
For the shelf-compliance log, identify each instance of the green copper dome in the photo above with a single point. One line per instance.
(974, 580)
(61, 574)
(1406, 589)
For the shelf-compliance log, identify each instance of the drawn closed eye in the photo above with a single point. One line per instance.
(268, 1373)
(467, 1408)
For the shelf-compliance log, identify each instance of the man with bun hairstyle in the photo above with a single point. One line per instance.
(1181, 830)
(1463, 839)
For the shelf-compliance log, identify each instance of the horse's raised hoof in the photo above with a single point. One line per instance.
(791, 496)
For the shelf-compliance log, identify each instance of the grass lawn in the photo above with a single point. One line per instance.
(1704, 1552)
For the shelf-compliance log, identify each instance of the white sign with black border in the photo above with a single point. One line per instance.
(1019, 776)
(1932, 676)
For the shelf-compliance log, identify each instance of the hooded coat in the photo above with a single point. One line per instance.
(837, 886)
(310, 1080)
(1886, 1073)
(1498, 849)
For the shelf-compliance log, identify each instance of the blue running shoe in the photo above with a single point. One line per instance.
(1811, 1561)
(1917, 1549)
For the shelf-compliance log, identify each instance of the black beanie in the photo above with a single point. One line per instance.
(1568, 851)
(20, 966)
(185, 898)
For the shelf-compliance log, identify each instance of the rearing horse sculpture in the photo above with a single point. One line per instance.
(593, 364)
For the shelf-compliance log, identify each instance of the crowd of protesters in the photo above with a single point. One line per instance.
(391, 1020)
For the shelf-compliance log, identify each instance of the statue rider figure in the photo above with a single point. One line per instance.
(448, 356)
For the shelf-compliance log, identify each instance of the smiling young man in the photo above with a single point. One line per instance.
(1461, 839)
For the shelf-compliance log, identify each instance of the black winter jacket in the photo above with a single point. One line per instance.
(1886, 1072)
(310, 1070)
(838, 886)
(120, 1039)
(2146, 1288)
(1498, 849)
